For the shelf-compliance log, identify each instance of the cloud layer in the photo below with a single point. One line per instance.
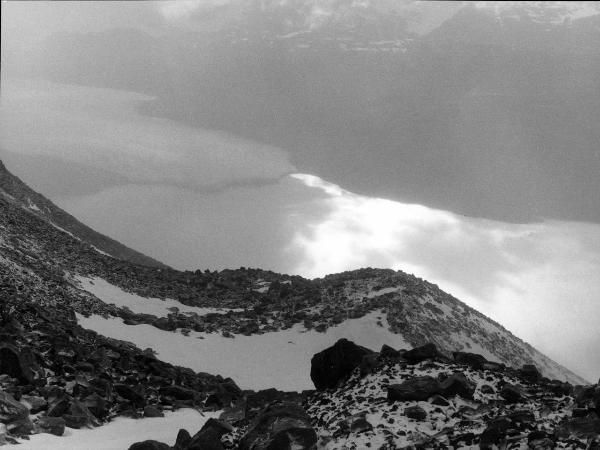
(101, 128)
(539, 280)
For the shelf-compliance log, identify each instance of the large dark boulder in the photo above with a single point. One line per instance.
(336, 363)
(418, 354)
(282, 426)
(418, 388)
(457, 384)
(209, 436)
(473, 360)
(149, 445)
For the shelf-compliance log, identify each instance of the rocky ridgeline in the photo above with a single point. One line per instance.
(399, 399)
(44, 258)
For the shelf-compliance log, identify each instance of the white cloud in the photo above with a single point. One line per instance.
(539, 280)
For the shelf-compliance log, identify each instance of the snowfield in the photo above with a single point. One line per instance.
(110, 293)
(120, 433)
(280, 359)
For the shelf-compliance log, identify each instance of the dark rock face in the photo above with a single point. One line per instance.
(418, 388)
(336, 363)
(283, 426)
(149, 445)
(418, 354)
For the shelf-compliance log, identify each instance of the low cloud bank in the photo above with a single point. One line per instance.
(538, 280)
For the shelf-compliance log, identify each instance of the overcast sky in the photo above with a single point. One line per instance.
(199, 197)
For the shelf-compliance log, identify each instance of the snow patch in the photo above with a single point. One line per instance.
(110, 293)
(120, 433)
(279, 359)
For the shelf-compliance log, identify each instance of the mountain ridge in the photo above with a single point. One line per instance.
(74, 321)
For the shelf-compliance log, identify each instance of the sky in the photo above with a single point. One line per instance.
(199, 197)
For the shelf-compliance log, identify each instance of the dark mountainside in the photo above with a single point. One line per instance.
(38, 204)
(57, 374)
(506, 100)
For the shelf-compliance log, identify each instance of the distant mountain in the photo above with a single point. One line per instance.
(68, 309)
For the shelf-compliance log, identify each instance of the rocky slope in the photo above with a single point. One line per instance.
(11, 187)
(398, 399)
(57, 374)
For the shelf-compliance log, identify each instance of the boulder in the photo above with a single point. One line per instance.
(494, 434)
(418, 354)
(183, 439)
(20, 427)
(511, 393)
(10, 409)
(152, 411)
(473, 360)
(414, 389)
(389, 352)
(336, 363)
(51, 425)
(209, 436)
(356, 423)
(530, 373)
(149, 445)
(415, 412)
(283, 426)
(457, 384)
